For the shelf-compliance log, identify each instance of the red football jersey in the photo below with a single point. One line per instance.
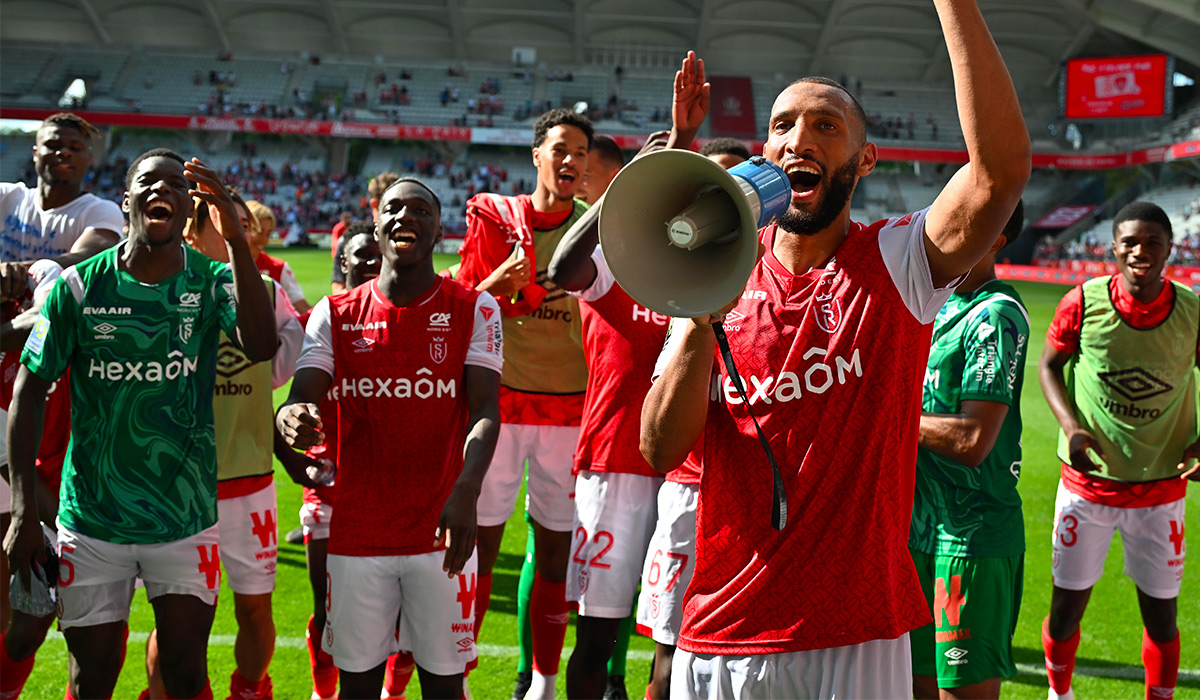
(56, 426)
(833, 362)
(621, 341)
(401, 406)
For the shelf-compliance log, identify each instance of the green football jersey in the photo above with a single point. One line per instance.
(141, 465)
(980, 341)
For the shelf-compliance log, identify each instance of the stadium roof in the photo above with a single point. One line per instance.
(869, 39)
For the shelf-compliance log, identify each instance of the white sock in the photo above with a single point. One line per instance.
(1069, 695)
(542, 687)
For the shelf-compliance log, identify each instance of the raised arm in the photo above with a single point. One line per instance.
(970, 212)
(457, 523)
(255, 316)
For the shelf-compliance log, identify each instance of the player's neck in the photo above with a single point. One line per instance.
(546, 202)
(1144, 292)
(151, 263)
(983, 272)
(403, 286)
(52, 195)
(799, 253)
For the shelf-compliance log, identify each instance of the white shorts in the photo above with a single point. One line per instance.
(614, 516)
(550, 491)
(250, 540)
(314, 520)
(96, 578)
(878, 669)
(1153, 539)
(670, 560)
(367, 595)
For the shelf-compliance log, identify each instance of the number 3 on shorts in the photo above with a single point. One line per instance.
(1066, 530)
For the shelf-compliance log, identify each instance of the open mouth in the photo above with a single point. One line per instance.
(566, 177)
(159, 211)
(403, 239)
(803, 179)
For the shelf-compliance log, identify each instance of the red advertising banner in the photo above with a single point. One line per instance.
(1063, 217)
(178, 122)
(1074, 272)
(732, 106)
(1122, 86)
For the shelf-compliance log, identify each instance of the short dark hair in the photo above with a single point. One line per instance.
(152, 153)
(562, 115)
(607, 149)
(72, 121)
(725, 146)
(1016, 224)
(354, 230)
(401, 180)
(859, 113)
(379, 184)
(1143, 211)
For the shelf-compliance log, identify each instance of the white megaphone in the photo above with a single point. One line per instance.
(680, 233)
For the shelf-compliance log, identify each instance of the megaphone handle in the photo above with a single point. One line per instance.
(779, 509)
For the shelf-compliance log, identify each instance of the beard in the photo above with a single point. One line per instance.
(838, 189)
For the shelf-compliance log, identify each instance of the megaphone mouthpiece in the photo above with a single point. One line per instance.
(710, 217)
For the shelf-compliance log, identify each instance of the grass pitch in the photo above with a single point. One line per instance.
(1108, 664)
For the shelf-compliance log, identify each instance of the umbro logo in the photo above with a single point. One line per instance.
(465, 644)
(363, 343)
(956, 656)
(1135, 384)
(230, 361)
(104, 328)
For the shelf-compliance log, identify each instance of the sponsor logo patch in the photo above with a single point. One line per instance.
(37, 339)
(104, 331)
(1135, 384)
(956, 656)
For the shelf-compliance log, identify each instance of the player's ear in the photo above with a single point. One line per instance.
(125, 202)
(537, 157)
(867, 159)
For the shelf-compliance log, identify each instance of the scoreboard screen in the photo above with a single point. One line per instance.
(1118, 86)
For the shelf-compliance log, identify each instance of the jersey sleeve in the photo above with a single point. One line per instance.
(603, 283)
(226, 300)
(1065, 327)
(482, 251)
(486, 349)
(994, 346)
(291, 286)
(902, 243)
(291, 338)
(106, 215)
(317, 350)
(52, 342)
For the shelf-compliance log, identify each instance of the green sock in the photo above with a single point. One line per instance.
(524, 589)
(616, 662)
